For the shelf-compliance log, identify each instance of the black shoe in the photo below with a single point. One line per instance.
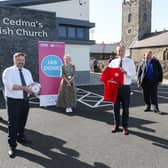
(156, 110)
(147, 109)
(125, 131)
(1, 119)
(24, 141)
(115, 129)
(12, 152)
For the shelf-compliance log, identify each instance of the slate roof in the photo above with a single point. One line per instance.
(103, 48)
(154, 40)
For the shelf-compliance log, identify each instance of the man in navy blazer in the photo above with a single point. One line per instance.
(149, 75)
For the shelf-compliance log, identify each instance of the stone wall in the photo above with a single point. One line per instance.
(138, 54)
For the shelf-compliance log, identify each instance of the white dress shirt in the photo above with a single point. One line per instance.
(11, 77)
(128, 66)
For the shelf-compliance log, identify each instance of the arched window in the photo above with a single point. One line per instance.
(129, 17)
(165, 54)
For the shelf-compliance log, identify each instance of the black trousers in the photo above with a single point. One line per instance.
(123, 98)
(150, 93)
(17, 117)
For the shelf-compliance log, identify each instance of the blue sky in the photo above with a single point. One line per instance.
(107, 16)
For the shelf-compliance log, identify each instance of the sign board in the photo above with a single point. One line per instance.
(50, 63)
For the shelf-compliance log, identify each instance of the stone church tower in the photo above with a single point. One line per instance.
(136, 20)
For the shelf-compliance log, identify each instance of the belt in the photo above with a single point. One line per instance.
(15, 99)
(123, 85)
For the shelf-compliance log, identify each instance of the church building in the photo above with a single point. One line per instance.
(136, 32)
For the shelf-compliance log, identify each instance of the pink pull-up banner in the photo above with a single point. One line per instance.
(50, 62)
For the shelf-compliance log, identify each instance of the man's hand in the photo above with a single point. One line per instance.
(24, 88)
(125, 72)
(27, 89)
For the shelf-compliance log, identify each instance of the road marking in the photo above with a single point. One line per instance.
(94, 100)
(91, 99)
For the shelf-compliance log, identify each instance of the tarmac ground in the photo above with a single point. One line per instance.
(83, 139)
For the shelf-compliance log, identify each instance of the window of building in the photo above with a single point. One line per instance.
(71, 32)
(165, 55)
(145, 17)
(62, 31)
(129, 17)
(80, 33)
(129, 31)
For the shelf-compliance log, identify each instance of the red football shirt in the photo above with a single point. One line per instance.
(112, 78)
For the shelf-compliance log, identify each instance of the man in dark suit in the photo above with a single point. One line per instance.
(149, 75)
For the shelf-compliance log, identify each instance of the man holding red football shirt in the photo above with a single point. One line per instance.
(123, 97)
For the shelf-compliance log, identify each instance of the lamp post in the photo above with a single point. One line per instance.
(92, 32)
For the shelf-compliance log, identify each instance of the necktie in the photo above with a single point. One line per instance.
(149, 70)
(23, 82)
(120, 65)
